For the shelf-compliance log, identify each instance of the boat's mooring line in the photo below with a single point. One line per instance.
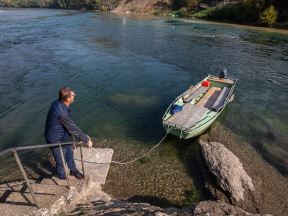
(136, 159)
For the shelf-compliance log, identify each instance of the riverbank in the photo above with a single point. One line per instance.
(239, 26)
(167, 8)
(237, 12)
(143, 182)
(137, 182)
(283, 31)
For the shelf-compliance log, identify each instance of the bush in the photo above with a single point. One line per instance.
(183, 12)
(245, 12)
(191, 4)
(269, 16)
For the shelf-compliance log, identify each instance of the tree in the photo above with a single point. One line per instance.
(269, 16)
(191, 4)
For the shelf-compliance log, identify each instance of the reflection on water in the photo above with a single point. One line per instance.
(126, 71)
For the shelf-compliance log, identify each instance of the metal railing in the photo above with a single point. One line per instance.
(15, 150)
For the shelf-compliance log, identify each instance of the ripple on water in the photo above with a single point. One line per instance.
(126, 74)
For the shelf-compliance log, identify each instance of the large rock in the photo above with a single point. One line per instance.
(227, 168)
(271, 188)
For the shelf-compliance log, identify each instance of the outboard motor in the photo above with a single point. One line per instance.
(223, 74)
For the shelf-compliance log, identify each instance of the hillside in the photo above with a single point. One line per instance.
(271, 13)
(142, 5)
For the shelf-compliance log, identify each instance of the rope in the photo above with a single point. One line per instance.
(136, 159)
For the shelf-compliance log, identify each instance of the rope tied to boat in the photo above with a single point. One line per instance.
(145, 155)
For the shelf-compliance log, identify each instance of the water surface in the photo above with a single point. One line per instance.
(126, 71)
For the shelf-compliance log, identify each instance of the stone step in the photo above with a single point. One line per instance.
(10, 199)
(53, 194)
(16, 198)
(46, 195)
(60, 182)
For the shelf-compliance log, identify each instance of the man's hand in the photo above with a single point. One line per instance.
(89, 143)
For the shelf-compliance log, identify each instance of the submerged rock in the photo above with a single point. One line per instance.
(227, 168)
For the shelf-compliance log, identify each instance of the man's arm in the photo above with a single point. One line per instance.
(72, 128)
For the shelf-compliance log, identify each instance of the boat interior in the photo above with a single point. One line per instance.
(209, 94)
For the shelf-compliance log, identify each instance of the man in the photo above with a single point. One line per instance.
(59, 128)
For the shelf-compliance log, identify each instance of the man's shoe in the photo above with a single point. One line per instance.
(77, 174)
(62, 177)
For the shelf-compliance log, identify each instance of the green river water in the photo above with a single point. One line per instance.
(126, 70)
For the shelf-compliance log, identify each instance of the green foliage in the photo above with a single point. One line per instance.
(66, 4)
(246, 11)
(253, 12)
(28, 3)
(185, 7)
(189, 4)
(269, 16)
(183, 12)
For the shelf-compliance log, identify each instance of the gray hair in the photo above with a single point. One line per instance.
(65, 93)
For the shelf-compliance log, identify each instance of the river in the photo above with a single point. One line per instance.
(127, 69)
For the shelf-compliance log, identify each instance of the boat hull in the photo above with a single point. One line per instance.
(180, 129)
(194, 132)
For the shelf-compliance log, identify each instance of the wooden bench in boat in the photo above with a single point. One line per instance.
(221, 99)
(193, 93)
(214, 99)
(188, 117)
(209, 98)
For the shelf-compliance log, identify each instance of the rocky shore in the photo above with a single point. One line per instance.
(270, 187)
(258, 187)
(238, 180)
(120, 207)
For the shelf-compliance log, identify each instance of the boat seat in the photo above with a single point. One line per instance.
(209, 97)
(195, 94)
(221, 99)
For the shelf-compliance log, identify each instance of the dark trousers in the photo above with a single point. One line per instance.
(68, 158)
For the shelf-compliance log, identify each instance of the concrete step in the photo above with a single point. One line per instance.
(53, 194)
(60, 182)
(46, 195)
(13, 199)
(16, 198)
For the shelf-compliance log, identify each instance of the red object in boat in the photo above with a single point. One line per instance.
(206, 83)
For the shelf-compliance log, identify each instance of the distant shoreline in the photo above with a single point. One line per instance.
(235, 25)
(205, 21)
(217, 22)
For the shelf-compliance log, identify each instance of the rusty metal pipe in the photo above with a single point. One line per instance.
(18, 161)
(63, 161)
